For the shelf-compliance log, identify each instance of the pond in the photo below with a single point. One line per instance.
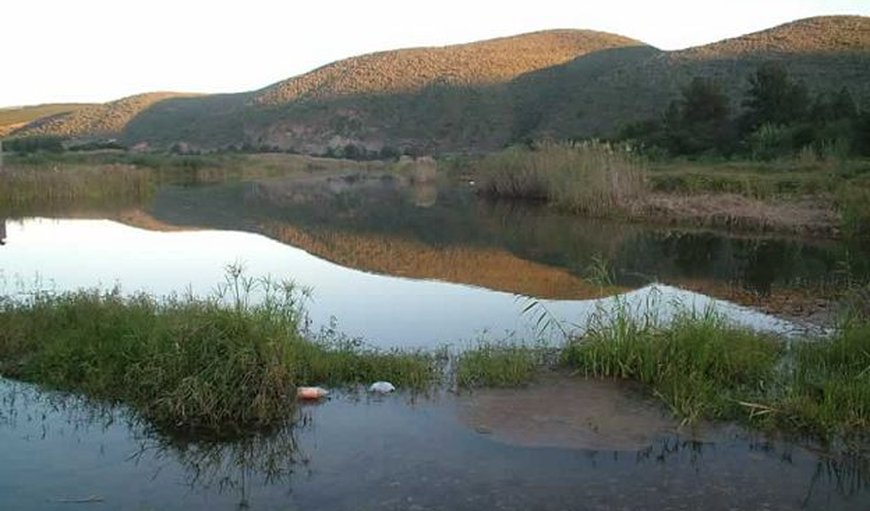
(390, 453)
(418, 266)
(413, 266)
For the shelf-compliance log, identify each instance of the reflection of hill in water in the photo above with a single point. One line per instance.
(380, 223)
(491, 268)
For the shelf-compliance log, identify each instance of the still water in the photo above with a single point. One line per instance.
(416, 267)
(356, 453)
(405, 266)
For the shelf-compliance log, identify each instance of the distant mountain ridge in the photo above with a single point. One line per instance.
(477, 96)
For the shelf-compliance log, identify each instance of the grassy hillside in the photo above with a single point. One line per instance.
(598, 94)
(17, 117)
(425, 98)
(95, 120)
(481, 96)
(475, 64)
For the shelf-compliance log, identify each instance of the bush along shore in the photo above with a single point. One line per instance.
(224, 366)
(612, 180)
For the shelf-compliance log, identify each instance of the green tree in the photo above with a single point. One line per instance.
(703, 102)
(773, 98)
(698, 122)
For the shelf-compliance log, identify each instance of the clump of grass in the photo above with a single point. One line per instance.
(498, 365)
(334, 359)
(588, 177)
(703, 368)
(854, 205)
(188, 364)
(696, 363)
(828, 389)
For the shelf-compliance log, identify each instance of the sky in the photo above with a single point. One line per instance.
(100, 50)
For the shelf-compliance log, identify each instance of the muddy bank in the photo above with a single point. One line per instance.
(568, 413)
(738, 213)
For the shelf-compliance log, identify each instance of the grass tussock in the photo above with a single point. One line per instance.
(829, 387)
(704, 368)
(498, 365)
(185, 363)
(591, 177)
(854, 204)
(698, 365)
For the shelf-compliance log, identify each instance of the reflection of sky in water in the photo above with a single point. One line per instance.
(387, 311)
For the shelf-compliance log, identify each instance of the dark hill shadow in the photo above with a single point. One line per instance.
(590, 96)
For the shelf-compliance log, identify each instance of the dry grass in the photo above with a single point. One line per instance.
(22, 189)
(592, 178)
(811, 35)
(479, 63)
(735, 212)
(14, 118)
(96, 120)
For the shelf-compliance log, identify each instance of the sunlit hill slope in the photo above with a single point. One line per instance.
(476, 96)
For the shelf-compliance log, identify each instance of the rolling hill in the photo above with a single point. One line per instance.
(478, 96)
(15, 118)
(99, 120)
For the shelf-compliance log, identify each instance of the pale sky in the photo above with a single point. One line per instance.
(99, 50)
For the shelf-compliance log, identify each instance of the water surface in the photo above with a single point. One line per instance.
(410, 266)
(395, 453)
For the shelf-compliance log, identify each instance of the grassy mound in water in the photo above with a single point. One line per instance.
(704, 368)
(197, 365)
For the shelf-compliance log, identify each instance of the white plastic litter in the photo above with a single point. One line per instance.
(382, 387)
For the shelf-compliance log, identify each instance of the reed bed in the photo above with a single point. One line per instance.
(590, 177)
(23, 187)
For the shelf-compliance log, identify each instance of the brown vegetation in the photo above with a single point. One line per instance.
(107, 119)
(812, 35)
(480, 63)
(591, 177)
(735, 212)
(17, 117)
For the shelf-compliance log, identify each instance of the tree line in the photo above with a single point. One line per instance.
(778, 118)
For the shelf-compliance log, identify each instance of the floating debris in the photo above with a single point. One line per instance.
(311, 393)
(382, 387)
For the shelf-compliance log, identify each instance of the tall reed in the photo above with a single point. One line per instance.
(26, 187)
(589, 177)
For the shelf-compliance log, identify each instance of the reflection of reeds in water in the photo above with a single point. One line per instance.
(27, 191)
(234, 466)
(486, 267)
